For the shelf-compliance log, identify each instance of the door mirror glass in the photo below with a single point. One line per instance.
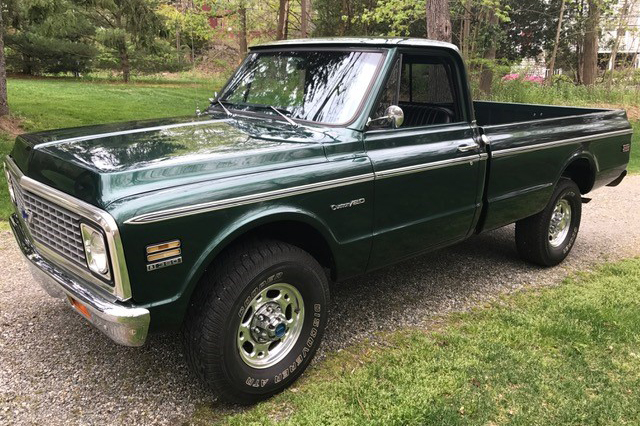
(396, 115)
(393, 115)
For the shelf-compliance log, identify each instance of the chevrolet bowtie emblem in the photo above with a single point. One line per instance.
(26, 215)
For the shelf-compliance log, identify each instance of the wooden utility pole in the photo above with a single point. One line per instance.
(552, 63)
(438, 20)
(4, 105)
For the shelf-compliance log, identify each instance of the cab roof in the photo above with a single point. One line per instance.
(357, 41)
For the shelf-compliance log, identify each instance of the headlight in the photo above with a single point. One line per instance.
(95, 249)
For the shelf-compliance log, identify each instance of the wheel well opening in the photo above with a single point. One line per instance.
(300, 235)
(581, 173)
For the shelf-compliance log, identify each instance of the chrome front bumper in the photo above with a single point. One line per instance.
(125, 325)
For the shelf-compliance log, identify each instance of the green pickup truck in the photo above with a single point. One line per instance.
(320, 160)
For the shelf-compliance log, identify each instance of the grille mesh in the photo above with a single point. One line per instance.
(51, 225)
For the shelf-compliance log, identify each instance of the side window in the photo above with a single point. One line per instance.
(427, 95)
(426, 83)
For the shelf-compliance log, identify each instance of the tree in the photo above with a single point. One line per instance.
(124, 25)
(4, 105)
(486, 77)
(552, 62)
(242, 34)
(438, 20)
(283, 20)
(48, 36)
(305, 18)
(590, 43)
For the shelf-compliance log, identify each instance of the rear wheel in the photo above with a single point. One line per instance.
(256, 320)
(547, 237)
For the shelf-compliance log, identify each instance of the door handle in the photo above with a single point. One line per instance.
(469, 147)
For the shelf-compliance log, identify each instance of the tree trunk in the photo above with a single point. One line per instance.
(552, 62)
(4, 105)
(282, 19)
(242, 37)
(286, 19)
(466, 29)
(486, 77)
(305, 18)
(124, 62)
(438, 20)
(590, 44)
(178, 43)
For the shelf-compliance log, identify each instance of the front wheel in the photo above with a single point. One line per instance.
(256, 320)
(546, 238)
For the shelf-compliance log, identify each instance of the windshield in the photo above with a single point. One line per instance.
(320, 86)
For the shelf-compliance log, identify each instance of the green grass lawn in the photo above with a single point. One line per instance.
(565, 355)
(634, 161)
(55, 103)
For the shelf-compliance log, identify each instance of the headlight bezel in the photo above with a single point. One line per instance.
(88, 231)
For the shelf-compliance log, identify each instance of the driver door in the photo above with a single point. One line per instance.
(429, 171)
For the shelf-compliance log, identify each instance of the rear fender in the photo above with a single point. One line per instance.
(585, 183)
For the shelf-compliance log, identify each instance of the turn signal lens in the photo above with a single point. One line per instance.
(80, 307)
(163, 255)
(154, 248)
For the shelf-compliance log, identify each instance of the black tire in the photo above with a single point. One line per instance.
(532, 233)
(211, 328)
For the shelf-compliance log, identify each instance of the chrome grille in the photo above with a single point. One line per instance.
(51, 225)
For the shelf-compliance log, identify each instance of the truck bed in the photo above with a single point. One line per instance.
(530, 146)
(496, 113)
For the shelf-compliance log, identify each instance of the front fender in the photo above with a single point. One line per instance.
(179, 282)
(247, 222)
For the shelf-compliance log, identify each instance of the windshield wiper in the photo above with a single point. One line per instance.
(229, 114)
(289, 120)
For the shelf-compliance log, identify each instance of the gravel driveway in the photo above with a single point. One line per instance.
(55, 368)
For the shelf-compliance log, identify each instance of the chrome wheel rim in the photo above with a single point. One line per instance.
(270, 325)
(560, 223)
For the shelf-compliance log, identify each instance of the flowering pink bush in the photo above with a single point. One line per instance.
(510, 77)
(530, 78)
(534, 79)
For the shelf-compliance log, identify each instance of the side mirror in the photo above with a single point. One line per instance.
(394, 114)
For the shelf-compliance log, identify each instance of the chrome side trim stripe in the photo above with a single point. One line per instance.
(247, 199)
(296, 190)
(127, 132)
(417, 168)
(562, 142)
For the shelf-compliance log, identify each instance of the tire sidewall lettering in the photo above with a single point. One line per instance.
(262, 380)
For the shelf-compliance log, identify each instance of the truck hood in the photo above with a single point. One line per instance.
(101, 164)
